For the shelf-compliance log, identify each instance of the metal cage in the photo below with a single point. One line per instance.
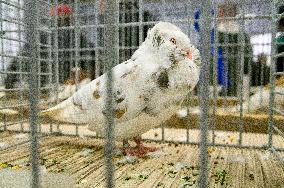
(49, 45)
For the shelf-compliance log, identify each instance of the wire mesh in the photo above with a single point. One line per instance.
(74, 37)
(274, 94)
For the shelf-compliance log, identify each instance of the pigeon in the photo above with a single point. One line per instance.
(147, 89)
(260, 100)
(69, 87)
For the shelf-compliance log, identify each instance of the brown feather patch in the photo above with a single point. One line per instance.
(119, 100)
(77, 104)
(129, 72)
(120, 112)
(96, 94)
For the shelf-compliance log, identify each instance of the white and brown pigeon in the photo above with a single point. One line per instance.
(148, 88)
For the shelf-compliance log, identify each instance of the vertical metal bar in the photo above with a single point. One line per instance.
(55, 56)
(204, 89)
(226, 56)
(20, 68)
(134, 28)
(190, 94)
(2, 58)
(111, 50)
(140, 6)
(38, 56)
(249, 75)
(163, 19)
(261, 83)
(70, 51)
(272, 72)
(77, 42)
(49, 57)
(215, 62)
(241, 39)
(123, 30)
(98, 64)
(32, 34)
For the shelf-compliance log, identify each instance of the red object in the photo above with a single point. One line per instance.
(61, 9)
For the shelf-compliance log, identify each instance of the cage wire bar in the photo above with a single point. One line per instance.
(241, 39)
(21, 65)
(2, 57)
(204, 89)
(56, 58)
(31, 21)
(111, 53)
(215, 94)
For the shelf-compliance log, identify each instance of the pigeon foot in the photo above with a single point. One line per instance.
(139, 150)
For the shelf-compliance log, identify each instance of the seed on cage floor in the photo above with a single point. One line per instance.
(156, 134)
(251, 176)
(210, 150)
(21, 136)
(127, 160)
(86, 152)
(195, 172)
(160, 184)
(3, 145)
(157, 153)
(179, 166)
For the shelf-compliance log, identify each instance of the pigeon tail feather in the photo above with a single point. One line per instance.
(52, 112)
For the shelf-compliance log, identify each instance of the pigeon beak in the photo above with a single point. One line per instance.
(188, 53)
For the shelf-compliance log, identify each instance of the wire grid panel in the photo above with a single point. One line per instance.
(277, 91)
(75, 32)
(233, 77)
(73, 38)
(77, 53)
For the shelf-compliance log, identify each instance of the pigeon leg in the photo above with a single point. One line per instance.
(125, 146)
(125, 143)
(139, 150)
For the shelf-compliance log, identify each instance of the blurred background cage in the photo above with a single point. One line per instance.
(246, 88)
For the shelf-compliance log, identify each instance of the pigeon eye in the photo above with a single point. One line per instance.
(173, 40)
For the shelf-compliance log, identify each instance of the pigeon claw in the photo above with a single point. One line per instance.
(139, 152)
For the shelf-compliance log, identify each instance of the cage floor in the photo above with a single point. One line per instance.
(82, 160)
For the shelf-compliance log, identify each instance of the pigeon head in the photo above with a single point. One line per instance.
(169, 41)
